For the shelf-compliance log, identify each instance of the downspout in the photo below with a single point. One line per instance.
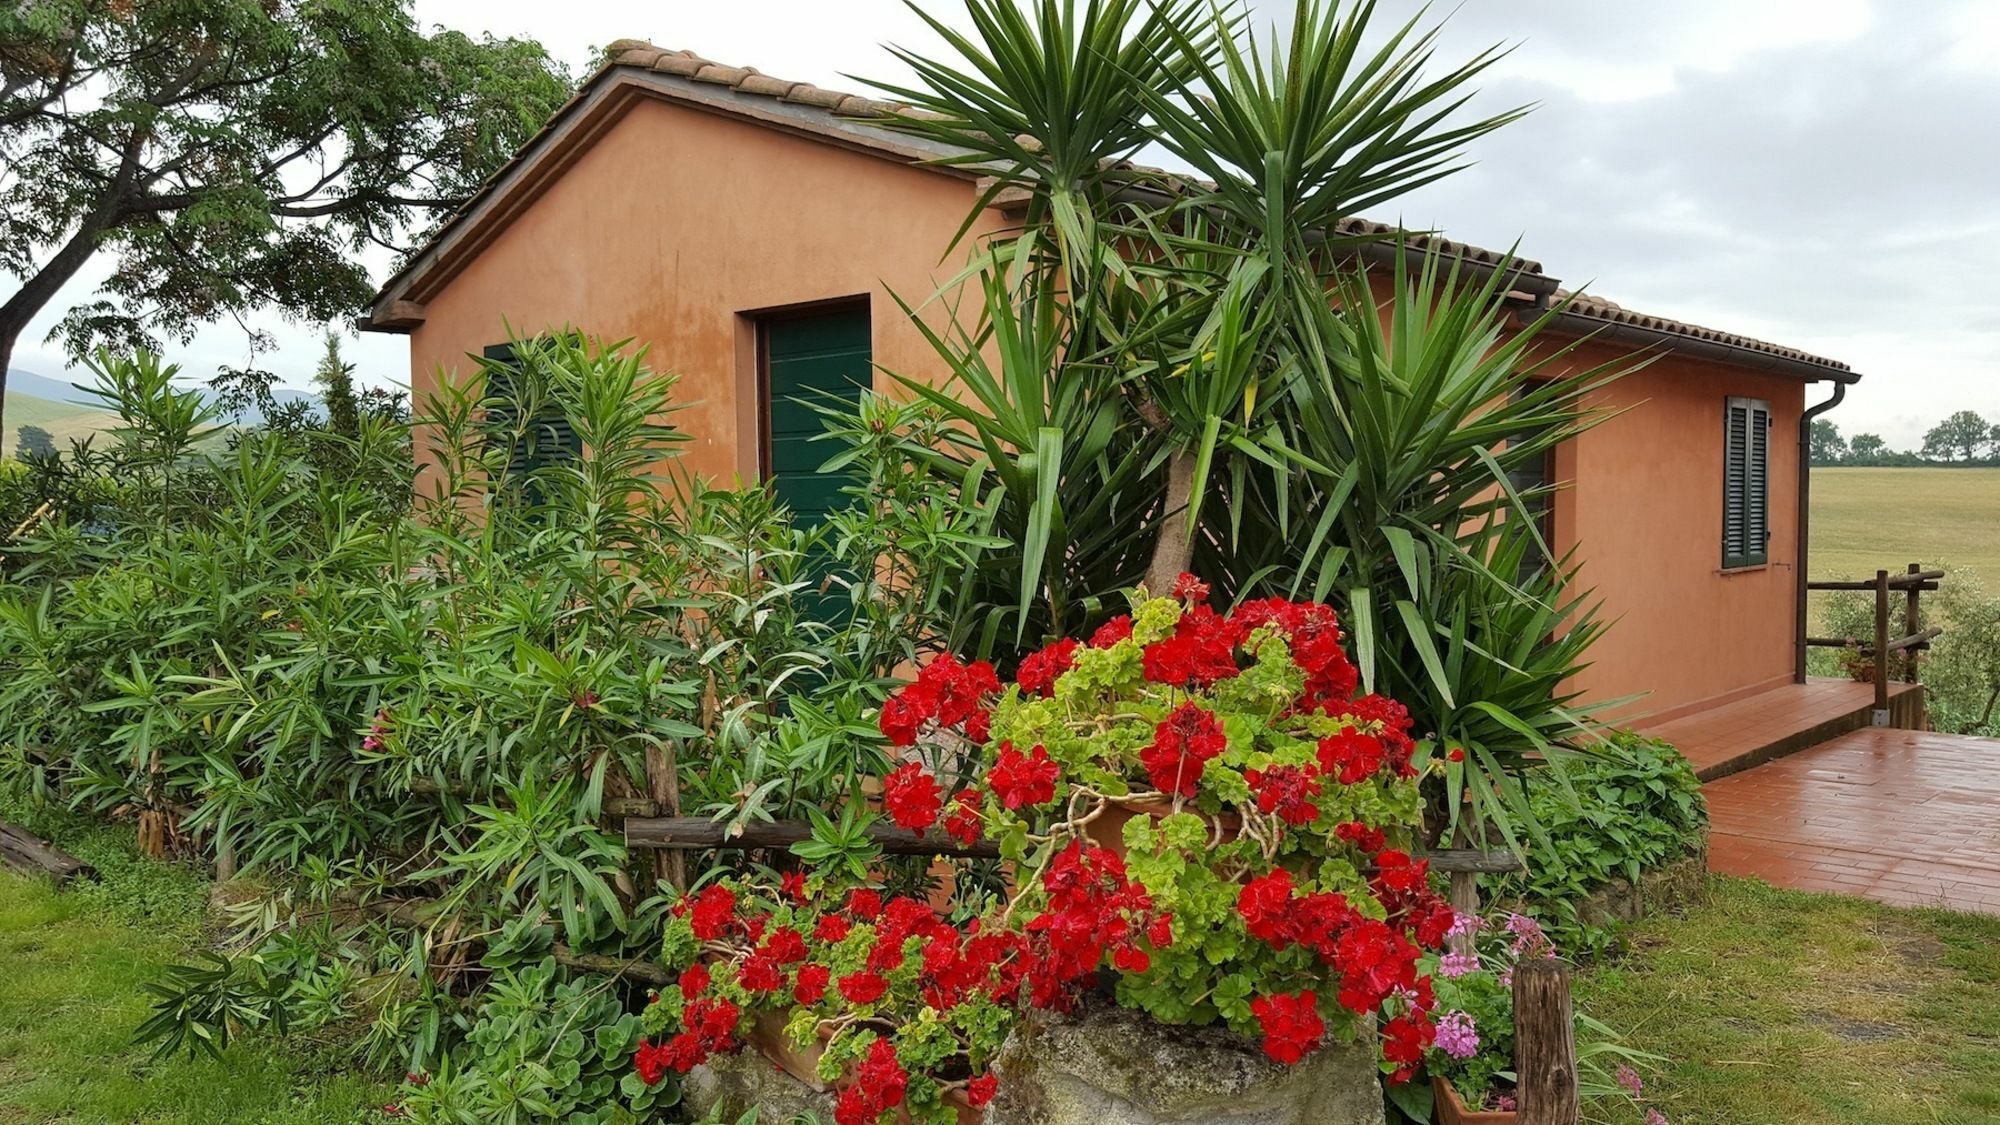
(1805, 520)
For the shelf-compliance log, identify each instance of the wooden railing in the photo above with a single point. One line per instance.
(1915, 638)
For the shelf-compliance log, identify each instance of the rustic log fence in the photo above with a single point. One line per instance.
(1913, 583)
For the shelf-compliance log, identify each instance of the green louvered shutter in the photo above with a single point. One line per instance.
(1746, 457)
(817, 358)
(550, 441)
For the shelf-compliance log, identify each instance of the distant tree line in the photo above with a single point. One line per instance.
(1964, 438)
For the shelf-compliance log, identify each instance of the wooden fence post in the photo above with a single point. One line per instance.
(1913, 622)
(663, 782)
(1881, 717)
(1544, 1043)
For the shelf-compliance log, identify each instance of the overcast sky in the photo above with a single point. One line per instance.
(1821, 173)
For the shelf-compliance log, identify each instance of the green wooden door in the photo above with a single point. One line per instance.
(816, 358)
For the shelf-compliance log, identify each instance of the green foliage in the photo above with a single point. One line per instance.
(234, 155)
(1634, 805)
(405, 721)
(1157, 382)
(1960, 672)
(539, 1048)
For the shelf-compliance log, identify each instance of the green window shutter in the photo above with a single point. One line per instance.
(1746, 464)
(816, 359)
(549, 441)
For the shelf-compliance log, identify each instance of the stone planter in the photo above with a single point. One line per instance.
(1111, 1066)
(1674, 886)
(1450, 1110)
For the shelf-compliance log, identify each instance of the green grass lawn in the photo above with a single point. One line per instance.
(1774, 1006)
(71, 966)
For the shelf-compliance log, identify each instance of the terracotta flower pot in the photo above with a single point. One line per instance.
(1452, 1111)
(1108, 830)
(769, 1039)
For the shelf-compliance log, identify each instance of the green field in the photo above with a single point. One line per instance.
(63, 421)
(1864, 520)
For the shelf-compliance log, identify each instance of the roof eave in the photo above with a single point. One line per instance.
(1583, 325)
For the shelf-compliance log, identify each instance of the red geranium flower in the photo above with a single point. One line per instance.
(979, 1092)
(1351, 756)
(1023, 780)
(811, 983)
(911, 796)
(713, 912)
(832, 928)
(1183, 743)
(1288, 791)
(963, 824)
(863, 987)
(1040, 670)
(903, 715)
(1292, 1025)
(1112, 631)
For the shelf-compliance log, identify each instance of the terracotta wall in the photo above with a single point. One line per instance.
(1645, 504)
(676, 225)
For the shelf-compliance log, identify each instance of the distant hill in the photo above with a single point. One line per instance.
(63, 421)
(55, 390)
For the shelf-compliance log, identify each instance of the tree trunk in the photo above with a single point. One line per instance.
(1175, 547)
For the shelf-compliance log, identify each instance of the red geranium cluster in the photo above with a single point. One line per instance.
(911, 797)
(1375, 960)
(1183, 743)
(1040, 670)
(1287, 792)
(1093, 910)
(1292, 1025)
(1022, 780)
(709, 1028)
(946, 692)
(1312, 632)
(878, 1087)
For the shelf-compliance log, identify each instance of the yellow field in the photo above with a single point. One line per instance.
(1869, 519)
(63, 421)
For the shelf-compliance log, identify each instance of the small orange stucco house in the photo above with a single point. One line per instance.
(747, 229)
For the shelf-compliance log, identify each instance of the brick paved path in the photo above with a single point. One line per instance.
(1903, 817)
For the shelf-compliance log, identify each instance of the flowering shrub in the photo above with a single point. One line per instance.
(903, 1005)
(1473, 1048)
(1255, 882)
(1260, 888)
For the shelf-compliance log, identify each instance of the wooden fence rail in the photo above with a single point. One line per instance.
(1913, 583)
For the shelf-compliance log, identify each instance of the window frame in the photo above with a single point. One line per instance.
(1746, 483)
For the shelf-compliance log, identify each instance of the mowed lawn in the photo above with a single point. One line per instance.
(1864, 520)
(1773, 1007)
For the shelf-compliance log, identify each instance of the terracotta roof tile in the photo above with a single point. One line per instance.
(1611, 312)
(805, 93)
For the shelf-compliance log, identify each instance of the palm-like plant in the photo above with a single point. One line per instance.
(1169, 373)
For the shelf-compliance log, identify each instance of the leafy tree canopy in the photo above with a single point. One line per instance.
(1827, 444)
(1866, 445)
(235, 154)
(1961, 437)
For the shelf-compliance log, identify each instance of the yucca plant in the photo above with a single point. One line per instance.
(1171, 372)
